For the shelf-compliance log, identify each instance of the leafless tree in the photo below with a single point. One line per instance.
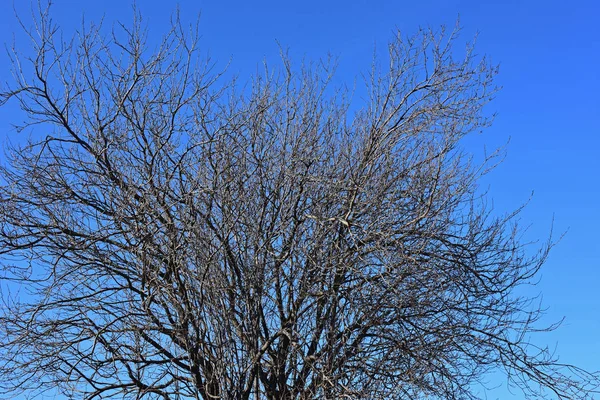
(167, 233)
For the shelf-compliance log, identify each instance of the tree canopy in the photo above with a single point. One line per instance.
(170, 233)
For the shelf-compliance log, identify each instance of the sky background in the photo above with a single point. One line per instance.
(549, 107)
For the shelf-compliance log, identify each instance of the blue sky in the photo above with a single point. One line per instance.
(549, 56)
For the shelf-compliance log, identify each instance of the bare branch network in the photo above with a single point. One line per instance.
(166, 235)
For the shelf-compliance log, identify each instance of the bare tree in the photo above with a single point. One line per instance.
(165, 234)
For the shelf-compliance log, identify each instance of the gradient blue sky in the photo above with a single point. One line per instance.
(549, 56)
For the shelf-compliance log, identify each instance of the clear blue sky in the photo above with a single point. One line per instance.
(549, 53)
